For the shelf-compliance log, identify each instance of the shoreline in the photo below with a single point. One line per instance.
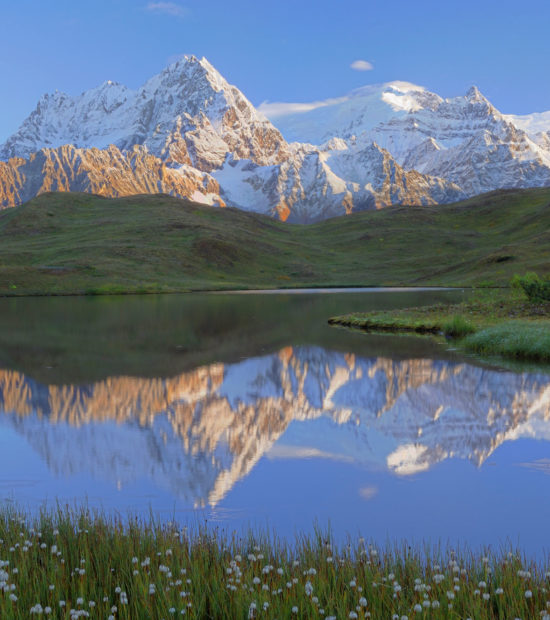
(491, 323)
(314, 290)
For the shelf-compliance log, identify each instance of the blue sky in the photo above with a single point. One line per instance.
(284, 50)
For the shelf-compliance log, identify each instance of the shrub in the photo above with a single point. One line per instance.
(537, 289)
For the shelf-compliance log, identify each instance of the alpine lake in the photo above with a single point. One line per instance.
(249, 411)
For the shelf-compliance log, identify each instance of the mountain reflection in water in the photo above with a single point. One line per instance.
(195, 435)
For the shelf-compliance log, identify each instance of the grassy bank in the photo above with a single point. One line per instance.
(69, 566)
(493, 322)
(79, 243)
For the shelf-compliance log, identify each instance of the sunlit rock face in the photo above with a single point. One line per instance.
(200, 432)
(108, 172)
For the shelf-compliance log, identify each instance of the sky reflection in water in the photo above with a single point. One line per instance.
(406, 447)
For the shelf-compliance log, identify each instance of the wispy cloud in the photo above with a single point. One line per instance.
(361, 65)
(282, 451)
(175, 57)
(542, 465)
(368, 492)
(169, 8)
(279, 108)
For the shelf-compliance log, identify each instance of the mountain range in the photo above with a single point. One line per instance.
(200, 432)
(189, 133)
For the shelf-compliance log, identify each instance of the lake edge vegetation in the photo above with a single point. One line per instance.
(72, 564)
(513, 323)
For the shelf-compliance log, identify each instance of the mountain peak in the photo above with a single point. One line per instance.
(193, 67)
(475, 95)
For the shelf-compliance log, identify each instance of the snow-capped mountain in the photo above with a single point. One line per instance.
(187, 114)
(200, 432)
(465, 140)
(190, 133)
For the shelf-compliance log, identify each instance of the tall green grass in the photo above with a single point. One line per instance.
(457, 326)
(70, 565)
(513, 339)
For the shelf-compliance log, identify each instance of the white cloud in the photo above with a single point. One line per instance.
(282, 451)
(176, 57)
(361, 65)
(169, 8)
(542, 465)
(279, 108)
(368, 492)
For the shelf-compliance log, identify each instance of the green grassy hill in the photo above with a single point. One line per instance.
(79, 243)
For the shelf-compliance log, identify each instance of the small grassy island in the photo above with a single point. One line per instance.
(73, 565)
(513, 323)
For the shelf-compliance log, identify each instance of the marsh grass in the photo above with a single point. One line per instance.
(74, 564)
(457, 327)
(514, 339)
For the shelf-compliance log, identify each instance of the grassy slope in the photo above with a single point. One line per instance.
(72, 243)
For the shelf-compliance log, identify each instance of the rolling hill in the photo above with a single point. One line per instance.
(70, 243)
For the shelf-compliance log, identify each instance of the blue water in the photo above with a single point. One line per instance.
(393, 438)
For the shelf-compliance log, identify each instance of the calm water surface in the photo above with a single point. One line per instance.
(251, 410)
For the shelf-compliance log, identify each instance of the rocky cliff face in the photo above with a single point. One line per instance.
(107, 172)
(197, 434)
